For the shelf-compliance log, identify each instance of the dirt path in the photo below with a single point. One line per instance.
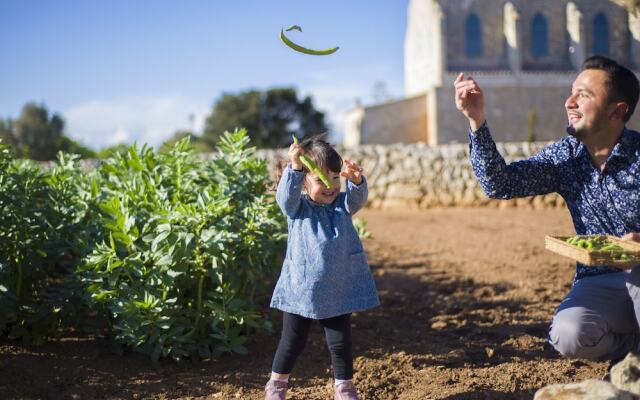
(467, 296)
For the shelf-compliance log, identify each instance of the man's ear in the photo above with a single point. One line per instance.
(620, 110)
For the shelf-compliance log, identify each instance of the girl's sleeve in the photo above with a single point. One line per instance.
(289, 192)
(356, 196)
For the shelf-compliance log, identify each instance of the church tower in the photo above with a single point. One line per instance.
(424, 47)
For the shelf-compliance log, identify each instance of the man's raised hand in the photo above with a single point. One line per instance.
(469, 100)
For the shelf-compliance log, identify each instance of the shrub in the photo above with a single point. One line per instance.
(41, 215)
(187, 248)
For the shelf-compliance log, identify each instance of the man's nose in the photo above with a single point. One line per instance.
(571, 102)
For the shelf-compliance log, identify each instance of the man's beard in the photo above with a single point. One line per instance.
(573, 132)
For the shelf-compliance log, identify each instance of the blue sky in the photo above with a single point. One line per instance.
(124, 71)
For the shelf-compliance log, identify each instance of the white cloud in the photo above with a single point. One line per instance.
(150, 120)
(121, 135)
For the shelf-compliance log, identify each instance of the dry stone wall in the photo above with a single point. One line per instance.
(419, 176)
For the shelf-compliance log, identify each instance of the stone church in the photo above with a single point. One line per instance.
(525, 55)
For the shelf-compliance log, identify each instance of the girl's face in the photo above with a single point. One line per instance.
(318, 192)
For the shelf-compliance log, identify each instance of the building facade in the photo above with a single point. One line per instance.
(524, 53)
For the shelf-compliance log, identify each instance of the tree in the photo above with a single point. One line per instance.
(38, 136)
(270, 117)
(6, 135)
(69, 145)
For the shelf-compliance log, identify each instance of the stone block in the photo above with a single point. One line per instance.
(625, 375)
(400, 204)
(586, 390)
(404, 191)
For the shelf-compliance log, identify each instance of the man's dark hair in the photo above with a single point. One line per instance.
(622, 84)
(322, 153)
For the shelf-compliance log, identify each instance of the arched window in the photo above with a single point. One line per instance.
(472, 36)
(539, 36)
(600, 35)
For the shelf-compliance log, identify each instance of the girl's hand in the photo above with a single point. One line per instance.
(295, 150)
(353, 172)
(635, 236)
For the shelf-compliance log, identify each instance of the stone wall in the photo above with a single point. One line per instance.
(419, 176)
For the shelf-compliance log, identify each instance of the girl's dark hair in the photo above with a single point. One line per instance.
(320, 151)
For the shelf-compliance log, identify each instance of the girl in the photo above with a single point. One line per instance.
(325, 275)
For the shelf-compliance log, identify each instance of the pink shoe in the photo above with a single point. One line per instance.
(275, 390)
(346, 391)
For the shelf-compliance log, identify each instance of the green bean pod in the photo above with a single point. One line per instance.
(311, 166)
(305, 50)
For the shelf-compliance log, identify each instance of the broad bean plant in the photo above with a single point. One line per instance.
(188, 246)
(167, 254)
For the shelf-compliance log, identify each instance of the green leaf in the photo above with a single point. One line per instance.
(159, 240)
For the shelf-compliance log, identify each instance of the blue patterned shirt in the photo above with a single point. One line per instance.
(325, 271)
(606, 202)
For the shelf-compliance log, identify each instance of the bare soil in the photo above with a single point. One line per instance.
(467, 296)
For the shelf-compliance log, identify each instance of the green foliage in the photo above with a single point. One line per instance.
(199, 145)
(361, 228)
(188, 245)
(532, 121)
(70, 146)
(111, 151)
(270, 117)
(6, 134)
(39, 136)
(40, 218)
(170, 254)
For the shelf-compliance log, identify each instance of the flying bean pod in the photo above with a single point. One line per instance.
(301, 49)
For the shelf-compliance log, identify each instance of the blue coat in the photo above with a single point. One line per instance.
(325, 272)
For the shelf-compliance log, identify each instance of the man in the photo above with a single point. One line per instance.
(596, 169)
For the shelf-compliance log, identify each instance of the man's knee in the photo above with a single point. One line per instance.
(576, 339)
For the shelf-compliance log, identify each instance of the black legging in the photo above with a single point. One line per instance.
(295, 331)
